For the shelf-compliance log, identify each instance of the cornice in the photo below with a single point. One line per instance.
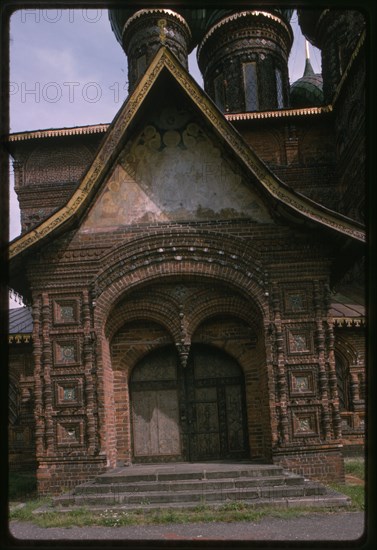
(349, 322)
(102, 128)
(281, 113)
(58, 132)
(19, 338)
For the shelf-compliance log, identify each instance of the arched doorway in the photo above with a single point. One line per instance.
(194, 413)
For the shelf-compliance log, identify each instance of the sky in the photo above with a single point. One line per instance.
(67, 69)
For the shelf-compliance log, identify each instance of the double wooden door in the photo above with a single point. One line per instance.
(194, 413)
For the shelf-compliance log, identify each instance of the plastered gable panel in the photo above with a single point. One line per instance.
(173, 170)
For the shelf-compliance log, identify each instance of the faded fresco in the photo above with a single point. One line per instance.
(173, 171)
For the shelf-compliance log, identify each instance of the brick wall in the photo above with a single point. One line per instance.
(47, 170)
(301, 153)
(323, 466)
(63, 474)
(178, 283)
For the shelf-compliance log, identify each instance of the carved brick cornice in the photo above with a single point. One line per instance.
(349, 322)
(59, 132)
(281, 113)
(19, 338)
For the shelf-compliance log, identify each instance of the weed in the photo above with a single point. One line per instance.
(234, 505)
(170, 516)
(355, 467)
(25, 513)
(355, 492)
(201, 508)
(114, 518)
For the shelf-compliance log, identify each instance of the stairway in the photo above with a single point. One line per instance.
(187, 485)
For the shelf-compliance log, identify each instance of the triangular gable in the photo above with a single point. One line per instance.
(117, 136)
(174, 169)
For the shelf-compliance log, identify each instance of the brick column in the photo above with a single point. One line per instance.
(38, 383)
(320, 345)
(279, 365)
(47, 364)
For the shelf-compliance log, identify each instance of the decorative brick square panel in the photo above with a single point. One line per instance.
(66, 352)
(302, 380)
(347, 421)
(295, 301)
(299, 341)
(70, 432)
(68, 392)
(296, 298)
(66, 311)
(305, 423)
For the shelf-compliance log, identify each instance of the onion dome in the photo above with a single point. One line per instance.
(194, 19)
(243, 58)
(307, 91)
(143, 32)
(198, 20)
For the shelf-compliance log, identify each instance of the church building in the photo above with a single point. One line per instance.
(194, 270)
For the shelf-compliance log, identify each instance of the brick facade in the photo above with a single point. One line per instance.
(160, 260)
(250, 301)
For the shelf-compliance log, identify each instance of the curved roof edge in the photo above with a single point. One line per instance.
(112, 144)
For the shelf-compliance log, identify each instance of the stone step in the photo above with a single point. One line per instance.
(185, 485)
(188, 485)
(156, 474)
(328, 500)
(206, 494)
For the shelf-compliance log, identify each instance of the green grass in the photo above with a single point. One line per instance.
(355, 492)
(355, 467)
(118, 518)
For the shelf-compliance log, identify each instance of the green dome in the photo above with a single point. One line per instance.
(307, 91)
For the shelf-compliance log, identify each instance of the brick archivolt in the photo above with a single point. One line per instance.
(228, 304)
(153, 306)
(180, 308)
(187, 255)
(346, 350)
